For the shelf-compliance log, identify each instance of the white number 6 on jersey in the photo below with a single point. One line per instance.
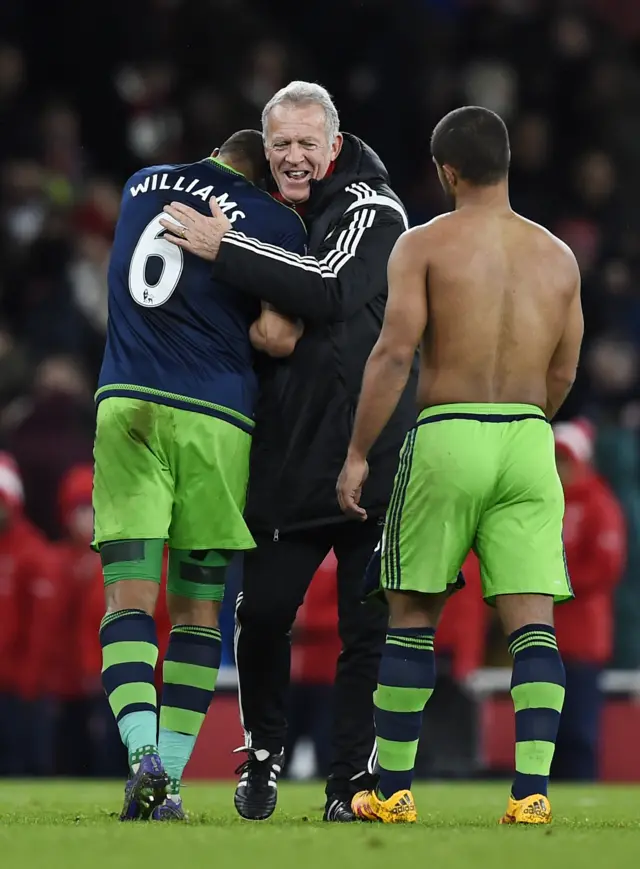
(151, 244)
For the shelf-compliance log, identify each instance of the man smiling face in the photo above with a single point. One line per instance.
(299, 148)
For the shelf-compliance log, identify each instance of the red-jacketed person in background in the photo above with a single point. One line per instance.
(595, 544)
(87, 740)
(87, 737)
(28, 573)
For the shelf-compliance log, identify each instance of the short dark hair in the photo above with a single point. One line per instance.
(247, 145)
(475, 142)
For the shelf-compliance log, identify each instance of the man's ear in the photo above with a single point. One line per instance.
(216, 151)
(336, 147)
(451, 175)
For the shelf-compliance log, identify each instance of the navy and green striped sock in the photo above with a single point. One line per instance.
(406, 681)
(190, 671)
(129, 656)
(537, 689)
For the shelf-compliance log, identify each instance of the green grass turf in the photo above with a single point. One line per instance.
(74, 824)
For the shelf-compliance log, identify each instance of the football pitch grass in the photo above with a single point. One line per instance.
(74, 824)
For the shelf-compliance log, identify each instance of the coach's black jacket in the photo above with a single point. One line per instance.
(307, 403)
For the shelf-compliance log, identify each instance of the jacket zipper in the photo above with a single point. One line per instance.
(276, 535)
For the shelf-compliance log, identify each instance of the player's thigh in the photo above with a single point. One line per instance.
(133, 485)
(519, 539)
(211, 468)
(434, 508)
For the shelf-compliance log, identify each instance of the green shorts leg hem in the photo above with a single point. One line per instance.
(490, 599)
(450, 587)
(221, 545)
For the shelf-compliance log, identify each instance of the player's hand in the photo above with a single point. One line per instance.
(195, 232)
(349, 489)
(274, 334)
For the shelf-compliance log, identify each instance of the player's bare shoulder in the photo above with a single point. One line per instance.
(550, 252)
(446, 233)
(414, 243)
(437, 227)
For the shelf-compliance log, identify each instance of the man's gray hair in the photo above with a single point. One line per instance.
(305, 93)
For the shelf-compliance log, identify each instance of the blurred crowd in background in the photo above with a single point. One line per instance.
(89, 93)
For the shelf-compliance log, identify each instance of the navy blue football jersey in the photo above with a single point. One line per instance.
(176, 336)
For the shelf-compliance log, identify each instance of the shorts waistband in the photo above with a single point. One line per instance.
(481, 413)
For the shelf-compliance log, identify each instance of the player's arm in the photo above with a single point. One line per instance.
(405, 320)
(564, 362)
(349, 275)
(331, 289)
(388, 367)
(274, 333)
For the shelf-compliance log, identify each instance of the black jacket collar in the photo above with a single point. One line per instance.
(356, 162)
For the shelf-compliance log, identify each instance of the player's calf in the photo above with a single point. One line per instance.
(537, 689)
(132, 570)
(190, 669)
(405, 683)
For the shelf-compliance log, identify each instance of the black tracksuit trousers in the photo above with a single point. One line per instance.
(276, 577)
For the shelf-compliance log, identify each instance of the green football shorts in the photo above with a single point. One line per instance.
(482, 477)
(177, 475)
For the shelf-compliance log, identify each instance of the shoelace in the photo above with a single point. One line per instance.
(251, 760)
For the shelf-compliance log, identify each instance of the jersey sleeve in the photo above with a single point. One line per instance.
(351, 272)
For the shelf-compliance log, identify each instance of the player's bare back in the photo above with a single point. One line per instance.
(499, 291)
